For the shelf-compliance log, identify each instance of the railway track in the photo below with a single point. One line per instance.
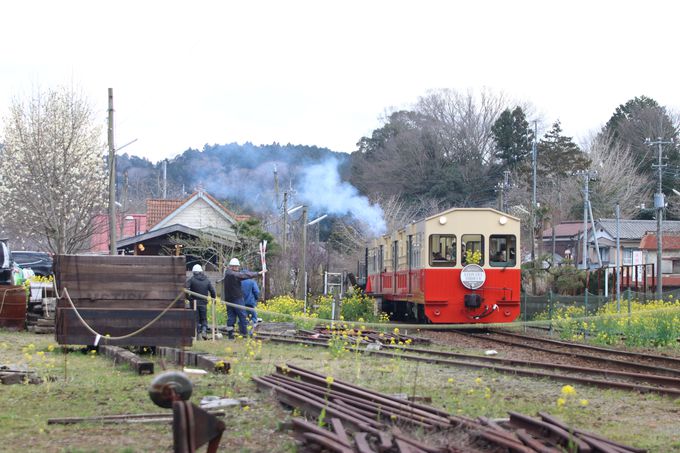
(646, 363)
(602, 378)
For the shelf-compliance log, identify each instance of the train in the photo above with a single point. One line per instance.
(458, 266)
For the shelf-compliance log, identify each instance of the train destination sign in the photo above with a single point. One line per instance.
(472, 276)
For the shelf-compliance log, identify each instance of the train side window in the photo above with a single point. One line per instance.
(471, 243)
(502, 250)
(442, 250)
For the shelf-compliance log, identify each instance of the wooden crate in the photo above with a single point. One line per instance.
(117, 295)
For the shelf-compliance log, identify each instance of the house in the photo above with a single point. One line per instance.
(170, 220)
(166, 222)
(637, 243)
(670, 258)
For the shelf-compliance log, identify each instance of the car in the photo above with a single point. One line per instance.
(39, 262)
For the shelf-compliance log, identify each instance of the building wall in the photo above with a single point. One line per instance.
(201, 215)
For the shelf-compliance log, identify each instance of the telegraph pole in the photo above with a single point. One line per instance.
(285, 222)
(506, 186)
(303, 267)
(112, 180)
(534, 156)
(659, 204)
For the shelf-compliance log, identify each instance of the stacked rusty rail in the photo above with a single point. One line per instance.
(118, 296)
(371, 418)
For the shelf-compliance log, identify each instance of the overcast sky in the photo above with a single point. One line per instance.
(322, 73)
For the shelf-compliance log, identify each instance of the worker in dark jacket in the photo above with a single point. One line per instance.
(251, 294)
(201, 284)
(232, 292)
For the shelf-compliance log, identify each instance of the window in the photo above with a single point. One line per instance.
(415, 250)
(442, 250)
(372, 262)
(502, 250)
(627, 256)
(471, 243)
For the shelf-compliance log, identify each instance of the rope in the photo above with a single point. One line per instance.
(4, 294)
(122, 337)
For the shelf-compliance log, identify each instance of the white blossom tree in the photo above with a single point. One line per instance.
(52, 173)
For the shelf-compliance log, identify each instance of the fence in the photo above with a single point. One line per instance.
(531, 306)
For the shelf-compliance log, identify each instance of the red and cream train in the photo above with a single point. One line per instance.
(429, 271)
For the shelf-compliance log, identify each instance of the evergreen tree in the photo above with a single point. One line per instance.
(513, 138)
(558, 155)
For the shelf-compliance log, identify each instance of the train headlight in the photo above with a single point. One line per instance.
(442, 220)
(503, 220)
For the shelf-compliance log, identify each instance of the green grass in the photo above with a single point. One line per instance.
(88, 384)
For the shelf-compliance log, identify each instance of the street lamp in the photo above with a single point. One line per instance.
(136, 220)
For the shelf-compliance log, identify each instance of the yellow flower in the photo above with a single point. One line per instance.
(396, 330)
(583, 403)
(28, 357)
(50, 347)
(450, 380)
(568, 390)
(478, 380)
(561, 402)
(329, 380)
(246, 408)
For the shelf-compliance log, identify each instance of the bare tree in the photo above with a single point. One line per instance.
(52, 170)
(619, 178)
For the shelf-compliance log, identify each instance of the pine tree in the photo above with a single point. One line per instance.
(513, 138)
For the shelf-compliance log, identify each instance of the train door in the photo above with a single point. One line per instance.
(381, 268)
(409, 258)
(395, 264)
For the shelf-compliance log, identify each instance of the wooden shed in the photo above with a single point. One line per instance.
(118, 295)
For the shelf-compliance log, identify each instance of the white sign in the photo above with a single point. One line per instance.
(472, 276)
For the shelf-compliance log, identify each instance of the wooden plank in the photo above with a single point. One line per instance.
(174, 328)
(122, 293)
(147, 260)
(121, 269)
(108, 285)
(118, 354)
(122, 303)
(133, 277)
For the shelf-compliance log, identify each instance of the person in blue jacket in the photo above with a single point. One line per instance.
(251, 294)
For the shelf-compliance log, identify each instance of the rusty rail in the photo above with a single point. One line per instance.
(353, 419)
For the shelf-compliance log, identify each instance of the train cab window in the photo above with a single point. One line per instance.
(471, 243)
(502, 250)
(442, 250)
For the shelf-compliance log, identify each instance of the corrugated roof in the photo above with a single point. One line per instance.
(636, 229)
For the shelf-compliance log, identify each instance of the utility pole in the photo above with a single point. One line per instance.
(506, 186)
(618, 259)
(586, 179)
(303, 267)
(285, 222)
(165, 179)
(659, 205)
(534, 156)
(112, 180)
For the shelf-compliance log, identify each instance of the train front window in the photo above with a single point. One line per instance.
(442, 250)
(472, 249)
(502, 250)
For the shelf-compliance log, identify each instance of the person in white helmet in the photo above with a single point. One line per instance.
(231, 292)
(201, 284)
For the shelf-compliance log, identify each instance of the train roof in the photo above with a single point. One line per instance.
(448, 211)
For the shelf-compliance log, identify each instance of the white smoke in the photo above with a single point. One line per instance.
(323, 191)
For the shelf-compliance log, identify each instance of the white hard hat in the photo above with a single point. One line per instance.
(234, 262)
(197, 268)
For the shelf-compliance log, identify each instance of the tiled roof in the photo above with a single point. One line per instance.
(158, 209)
(668, 242)
(636, 229)
(569, 228)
